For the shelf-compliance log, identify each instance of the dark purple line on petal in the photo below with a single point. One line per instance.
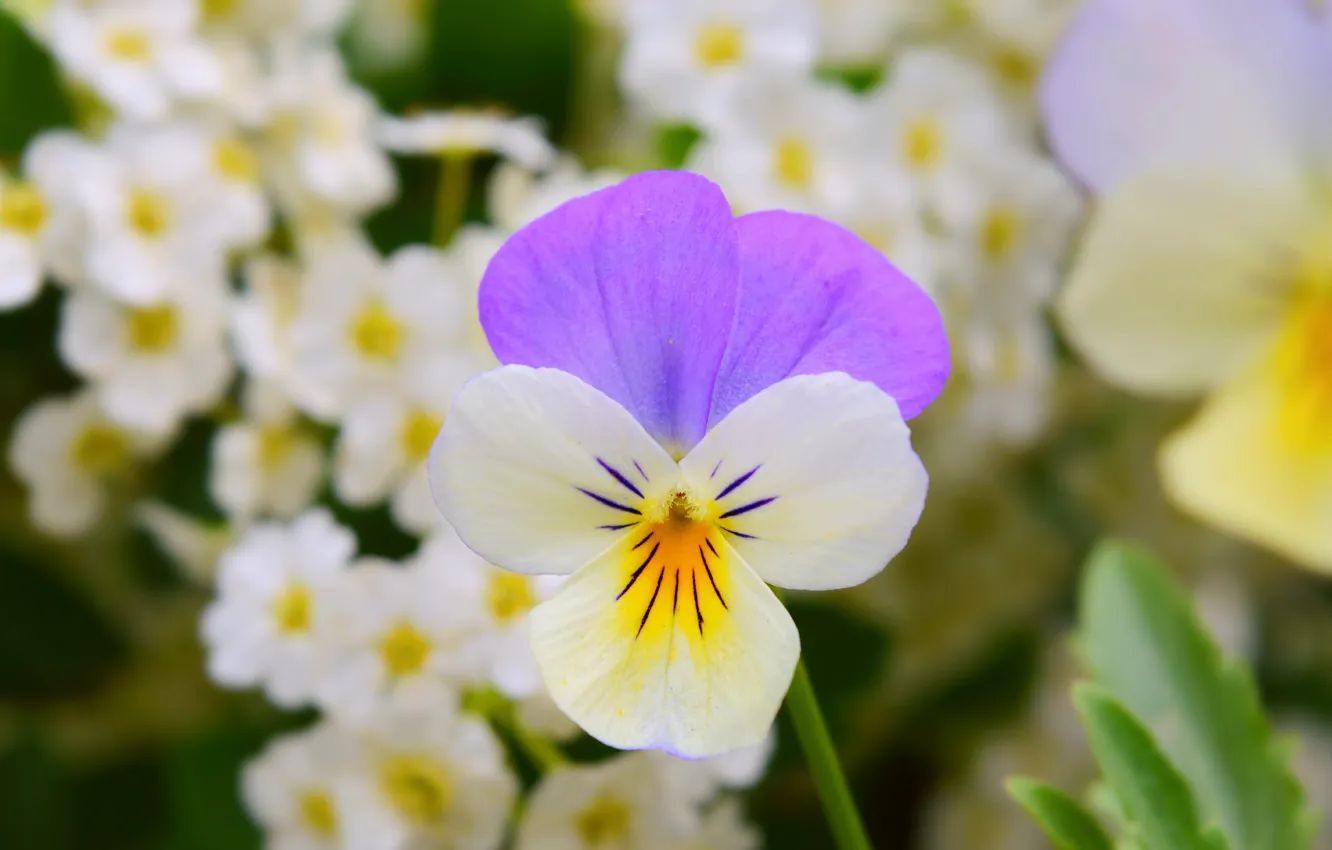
(693, 577)
(715, 589)
(633, 578)
(737, 533)
(675, 594)
(653, 601)
(715, 468)
(744, 509)
(640, 471)
(607, 502)
(737, 482)
(644, 540)
(617, 527)
(618, 476)
(711, 548)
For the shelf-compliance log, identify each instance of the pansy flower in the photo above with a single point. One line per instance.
(695, 406)
(1207, 267)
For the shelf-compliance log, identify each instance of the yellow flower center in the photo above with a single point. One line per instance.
(148, 213)
(293, 609)
(1016, 67)
(319, 814)
(509, 595)
(923, 143)
(404, 650)
(152, 330)
(793, 163)
(275, 444)
(1000, 232)
(418, 787)
(419, 430)
(100, 449)
(376, 333)
(719, 44)
(219, 10)
(234, 160)
(605, 821)
(129, 45)
(22, 209)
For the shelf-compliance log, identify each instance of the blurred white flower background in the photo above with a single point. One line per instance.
(240, 265)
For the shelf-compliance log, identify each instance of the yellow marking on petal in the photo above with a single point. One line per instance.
(509, 595)
(404, 650)
(417, 787)
(1304, 366)
(152, 330)
(793, 163)
(100, 449)
(22, 209)
(923, 143)
(1000, 233)
(719, 44)
(148, 213)
(376, 333)
(604, 822)
(235, 161)
(293, 610)
(419, 430)
(319, 814)
(129, 45)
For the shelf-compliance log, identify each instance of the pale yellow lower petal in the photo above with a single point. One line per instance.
(658, 645)
(1240, 466)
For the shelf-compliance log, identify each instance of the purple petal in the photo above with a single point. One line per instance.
(1240, 86)
(816, 298)
(632, 289)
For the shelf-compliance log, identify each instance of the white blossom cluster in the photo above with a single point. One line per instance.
(939, 164)
(203, 226)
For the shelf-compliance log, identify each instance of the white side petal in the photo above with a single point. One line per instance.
(1180, 280)
(664, 663)
(814, 481)
(515, 469)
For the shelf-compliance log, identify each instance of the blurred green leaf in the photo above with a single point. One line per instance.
(31, 96)
(1065, 822)
(205, 790)
(53, 642)
(674, 142)
(34, 808)
(1145, 646)
(1155, 797)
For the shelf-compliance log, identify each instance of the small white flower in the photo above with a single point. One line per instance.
(468, 132)
(787, 143)
(724, 827)
(1010, 363)
(516, 196)
(854, 32)
(683, 60)
(885, 210)
(66, 450)
(278, 606)
(226, 167)
(289, 788)
(276, 21)
(140, 57)
(402, 643)
(499, 641)
(320, 129)
(152, 224)
(427, 779)
(152, 364)
(268, 464)
(23, 222)
(938, 112)
(702, 779)
(389, 34)
(262, 315)
(623, 802)
(377, 328)
(540, 715)
(1015, 229)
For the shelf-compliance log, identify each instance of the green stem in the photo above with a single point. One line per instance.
(838, 805)
(455, 175)
(541, 750)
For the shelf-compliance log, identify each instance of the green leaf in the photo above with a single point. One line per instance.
(1155, 797)
(1065, 822)
(1145, 646)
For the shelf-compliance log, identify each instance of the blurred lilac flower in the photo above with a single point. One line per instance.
(695, 405)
